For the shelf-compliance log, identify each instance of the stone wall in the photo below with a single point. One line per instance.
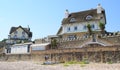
(91, 53)
(21, 57)
(103, 57)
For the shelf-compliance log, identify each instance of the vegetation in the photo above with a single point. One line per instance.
(53, 43)
(89, 29)
(102, 27)
(82, 63)
(110, 62)
(3, 43)
(4, 40)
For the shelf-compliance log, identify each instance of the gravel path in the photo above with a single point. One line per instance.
(27, 65)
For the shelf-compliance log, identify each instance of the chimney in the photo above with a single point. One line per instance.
(66, 13)
(99, 9)
(28, 28)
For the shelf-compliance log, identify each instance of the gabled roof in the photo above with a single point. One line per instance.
(80, 16)
(27, 30)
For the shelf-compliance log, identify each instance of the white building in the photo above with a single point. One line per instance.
(20, 33)
(76, 23)
(20, 49)
(40, 47)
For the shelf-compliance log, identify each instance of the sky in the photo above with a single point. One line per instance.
(44, 16)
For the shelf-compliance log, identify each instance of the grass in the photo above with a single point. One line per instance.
(82, 63)
(110, 62)
(66, 65)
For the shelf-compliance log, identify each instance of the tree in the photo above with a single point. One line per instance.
(102, 27)
(53, 46)
(89, 29)
(53, 43)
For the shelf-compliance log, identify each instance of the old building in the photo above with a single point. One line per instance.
(19, 34)
(82, 35)
(82, 28)
(23, 48)
(75, 24)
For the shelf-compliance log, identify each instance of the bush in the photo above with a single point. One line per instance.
(84, 61)
(109, 62)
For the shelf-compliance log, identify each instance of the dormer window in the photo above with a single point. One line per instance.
(72, 20)
(89, 17)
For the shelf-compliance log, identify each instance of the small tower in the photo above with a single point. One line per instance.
(66, 13)
(99, 9)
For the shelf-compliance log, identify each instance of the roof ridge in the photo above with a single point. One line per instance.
(83, 11)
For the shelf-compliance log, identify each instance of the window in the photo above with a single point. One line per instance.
(23, 37)
(85, 27)
(15, 32)
(15, 36)
(92, 26)
(23, 33)
(89, 17)
(68, 29)
(72, 20)
(71, 37)
(75, 28)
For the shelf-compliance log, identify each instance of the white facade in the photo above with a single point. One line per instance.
(40, 47)
(80, 27)
(19, 33)
(20, 49)
(77, 22)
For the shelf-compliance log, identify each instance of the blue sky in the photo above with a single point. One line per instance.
(44, 16)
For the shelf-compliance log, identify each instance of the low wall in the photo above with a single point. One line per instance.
(21, 57)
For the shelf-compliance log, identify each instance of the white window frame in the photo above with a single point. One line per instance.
(68, 29)
(72, 20)
(75, 28)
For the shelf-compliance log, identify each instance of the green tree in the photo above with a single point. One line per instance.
(53, 43)
(102, 27)
(89, 29)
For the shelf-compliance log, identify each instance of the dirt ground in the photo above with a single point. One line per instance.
(30, 65)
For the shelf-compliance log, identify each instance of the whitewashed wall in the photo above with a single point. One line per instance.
(19, 49)
(40, 47)
(80, 27)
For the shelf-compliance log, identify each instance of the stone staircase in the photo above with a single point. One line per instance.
(74, 43)
(104, 42)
